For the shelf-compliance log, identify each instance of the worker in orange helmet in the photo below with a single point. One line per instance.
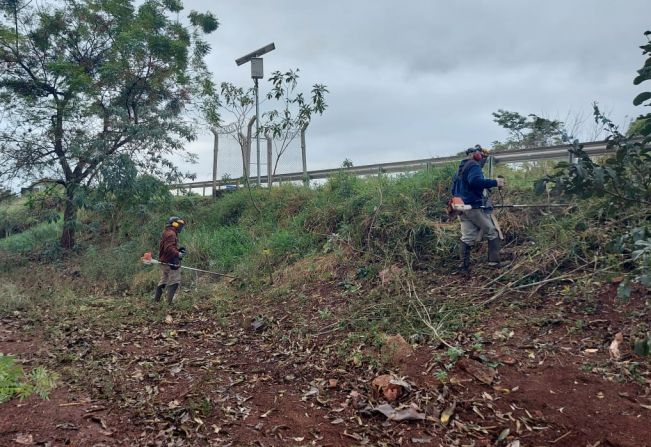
(169, 256)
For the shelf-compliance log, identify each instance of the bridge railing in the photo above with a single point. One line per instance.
(594, 148)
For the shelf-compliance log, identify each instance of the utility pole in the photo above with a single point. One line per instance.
(257, 114)
(214, 161)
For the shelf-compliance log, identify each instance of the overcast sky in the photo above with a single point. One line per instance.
(416, 79)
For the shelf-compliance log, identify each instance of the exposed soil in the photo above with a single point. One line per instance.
(271, 372)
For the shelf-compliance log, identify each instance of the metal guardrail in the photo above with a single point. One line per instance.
(594, 148)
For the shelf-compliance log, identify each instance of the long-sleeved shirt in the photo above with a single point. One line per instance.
(168, 248)
(472, 183)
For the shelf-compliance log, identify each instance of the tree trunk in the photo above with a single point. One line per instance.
(69, 214)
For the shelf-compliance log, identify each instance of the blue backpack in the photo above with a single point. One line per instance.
(457, 186)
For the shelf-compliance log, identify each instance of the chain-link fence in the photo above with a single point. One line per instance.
(278, 155)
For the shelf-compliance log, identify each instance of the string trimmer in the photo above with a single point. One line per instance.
(147, 259)
(524, 206)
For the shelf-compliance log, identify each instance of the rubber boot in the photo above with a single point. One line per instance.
(494, 247)
(159, 292)
(171, 291)
(464, 255)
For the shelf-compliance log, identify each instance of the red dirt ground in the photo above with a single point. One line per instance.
(196, 382)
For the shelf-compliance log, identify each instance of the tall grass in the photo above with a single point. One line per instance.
(385, 219)
(42, 239)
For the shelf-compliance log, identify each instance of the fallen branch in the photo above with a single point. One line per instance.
(425, 316)
(565, 276)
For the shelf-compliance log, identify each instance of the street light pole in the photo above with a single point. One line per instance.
(257, 72)
(257, 125)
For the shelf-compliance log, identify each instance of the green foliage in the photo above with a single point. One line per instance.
(454, 353)
(206, 21)
(286, 245)
(643, 122)
(121, 191)
(441, 375)
(642, 345)
(12, 299)
(114, 266)
(295, 112)
(14, 382)
(81, 101)
(620, 185)
(5, 194)
(620, 188)
(220, 248)
(41, 238)
(527, 131)
(14, 217)
(625, 177)
(20, 213)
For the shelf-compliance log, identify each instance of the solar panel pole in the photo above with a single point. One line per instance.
(257, 72)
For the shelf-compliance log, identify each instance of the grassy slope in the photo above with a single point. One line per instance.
(329, 272)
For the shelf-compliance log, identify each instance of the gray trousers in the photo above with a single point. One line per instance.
(474, 222)
(169, 276)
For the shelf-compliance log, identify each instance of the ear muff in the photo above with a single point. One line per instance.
(178, 223)
(175, 224)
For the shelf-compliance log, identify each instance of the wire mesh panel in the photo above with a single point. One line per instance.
(283, 153)
(286, 153)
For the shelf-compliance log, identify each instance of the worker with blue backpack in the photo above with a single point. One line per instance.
(469, 185)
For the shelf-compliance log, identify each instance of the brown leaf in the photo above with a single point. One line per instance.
(615, 353)
(23, 439)
(479, 371)
(390, 387)
(406, 414)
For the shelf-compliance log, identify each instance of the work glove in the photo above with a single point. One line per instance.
(182, 252)
(500, 182)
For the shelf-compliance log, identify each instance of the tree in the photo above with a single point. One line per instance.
(643, 122)
(89, 81)
(295, 113)
(527, 131)
(121, 190)
(239, 104)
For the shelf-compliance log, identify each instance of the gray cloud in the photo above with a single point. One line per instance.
(421, 78)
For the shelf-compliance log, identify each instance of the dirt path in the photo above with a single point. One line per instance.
(540, 376)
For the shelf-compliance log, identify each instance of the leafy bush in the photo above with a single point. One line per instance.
(14, 382)
(220, 248)
(19, 214)
(113, 266)
(42, 238)
(620, 185)
(12, 300)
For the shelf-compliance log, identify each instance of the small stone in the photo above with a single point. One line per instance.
(396, 350)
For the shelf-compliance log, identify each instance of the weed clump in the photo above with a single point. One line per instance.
(14, 382)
